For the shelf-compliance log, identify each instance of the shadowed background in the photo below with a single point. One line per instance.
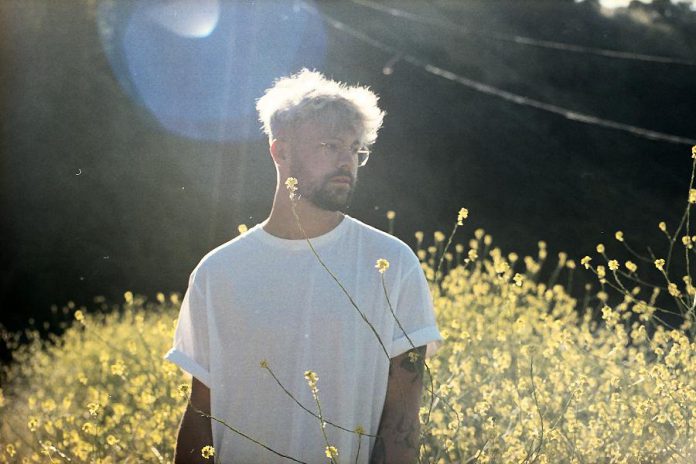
(130, 147)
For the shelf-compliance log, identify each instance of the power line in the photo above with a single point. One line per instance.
(494, 91)
(521, 40)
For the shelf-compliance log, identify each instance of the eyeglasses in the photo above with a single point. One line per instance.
(336, 149)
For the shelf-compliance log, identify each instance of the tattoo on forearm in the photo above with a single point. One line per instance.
(399, 429)
(405, 433)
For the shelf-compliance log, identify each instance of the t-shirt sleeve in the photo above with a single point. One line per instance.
(414, 310)
(190, 349)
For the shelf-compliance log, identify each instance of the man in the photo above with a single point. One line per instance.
(268, 304)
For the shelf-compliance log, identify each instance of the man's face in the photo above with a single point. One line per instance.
(323, 162)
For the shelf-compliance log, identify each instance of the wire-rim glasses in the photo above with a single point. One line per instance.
(335, 149)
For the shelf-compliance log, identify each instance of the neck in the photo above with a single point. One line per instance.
(283, 223)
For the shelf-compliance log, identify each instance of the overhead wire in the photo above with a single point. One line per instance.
(521, 40)
(497, 92)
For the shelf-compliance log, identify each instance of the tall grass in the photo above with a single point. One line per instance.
(527, 374)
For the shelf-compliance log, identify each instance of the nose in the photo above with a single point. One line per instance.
(346, 158)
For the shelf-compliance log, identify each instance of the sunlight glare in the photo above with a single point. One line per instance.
(186, 18)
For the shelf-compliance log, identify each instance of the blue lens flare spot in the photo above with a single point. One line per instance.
(199, 66)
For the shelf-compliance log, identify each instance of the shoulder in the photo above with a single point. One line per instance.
(372, 234)
(386, 245)
(225, 254)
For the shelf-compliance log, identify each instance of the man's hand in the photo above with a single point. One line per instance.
(399, 428)
(195, 431)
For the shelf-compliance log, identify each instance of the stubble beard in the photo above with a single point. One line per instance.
(325, 196)
(330, 199)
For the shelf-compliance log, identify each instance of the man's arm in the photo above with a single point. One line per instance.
(399, 428)
(195, 431)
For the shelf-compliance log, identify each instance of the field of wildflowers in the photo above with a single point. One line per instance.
(527, 374)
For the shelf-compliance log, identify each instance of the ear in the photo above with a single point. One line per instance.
(278, 151)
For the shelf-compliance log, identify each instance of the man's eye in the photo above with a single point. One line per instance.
(332, 147)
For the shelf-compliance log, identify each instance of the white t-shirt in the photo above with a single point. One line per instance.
(259, 297)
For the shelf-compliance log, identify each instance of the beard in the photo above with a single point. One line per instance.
(331, 198)
(325, 194)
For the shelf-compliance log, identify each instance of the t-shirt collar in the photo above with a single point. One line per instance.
(301, 244)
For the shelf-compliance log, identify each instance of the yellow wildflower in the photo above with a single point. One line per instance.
(79, 316)
(631, 266)
(459, 248)
(118, 368)
(439, 236)
(48, 405)
(472, 254)
(619, 236)
(562, 257)
(692, 196)
(693, 152)
(586, 262)
(33, 424)
(419, 236)
(518, 279)
(183, 390)
(639, 334)
(360, 430)
(382, 265)
(687, 242)
(291, 185)
(673, 290)
(613, 265)
(241, 228)
(208, 452)
(10, 449)
(93, 408)
(660, 264)
(570, 264)
(662, 226)
(111, 440)
(413, 356)
(600, 248)
(131, 346)
(610, 316)
(119, 409)
(391, 215)
(312, 379)
(331, 452)
(501, 267)
(463, 214)
(89, 427)
(264, 364)
(601, 272)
